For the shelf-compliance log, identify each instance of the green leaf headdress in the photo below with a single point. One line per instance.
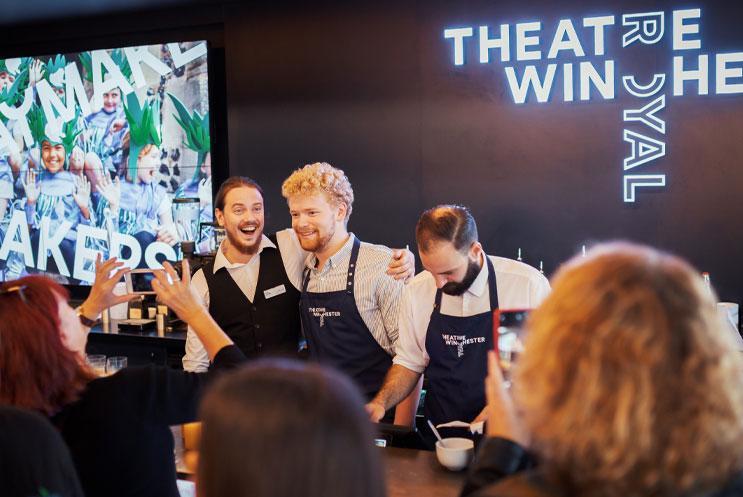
(55, 132)
(144, 127)
(54, 71)
(18, 68)
(4, 67)
(119, 58)
(12, 94)
(196, 128)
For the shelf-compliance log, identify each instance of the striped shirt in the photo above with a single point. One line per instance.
(377, 294)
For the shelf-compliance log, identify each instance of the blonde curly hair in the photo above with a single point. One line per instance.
(628, 385)
(320, 177)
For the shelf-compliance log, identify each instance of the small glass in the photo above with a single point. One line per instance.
(97, 363)
(114, 364)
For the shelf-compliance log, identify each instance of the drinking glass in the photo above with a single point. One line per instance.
(97, 363)
(114, 364)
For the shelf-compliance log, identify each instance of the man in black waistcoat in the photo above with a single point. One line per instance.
(247, 287)
(252, 289)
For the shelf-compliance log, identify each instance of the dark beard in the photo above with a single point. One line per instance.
(452, 288)
(242, 247)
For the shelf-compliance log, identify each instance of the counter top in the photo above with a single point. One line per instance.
(414, 473)
(112, 329)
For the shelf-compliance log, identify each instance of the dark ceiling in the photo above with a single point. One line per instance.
(29, 11)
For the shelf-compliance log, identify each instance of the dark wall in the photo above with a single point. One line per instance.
(372, 89)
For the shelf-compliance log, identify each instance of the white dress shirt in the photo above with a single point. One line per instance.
(246, 278)
(520, 286)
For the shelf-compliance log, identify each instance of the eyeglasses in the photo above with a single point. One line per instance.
(15, 288)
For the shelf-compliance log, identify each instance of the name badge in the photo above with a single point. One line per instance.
(272, 292)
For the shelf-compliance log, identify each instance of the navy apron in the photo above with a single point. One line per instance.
(337, 335)
(458, 360)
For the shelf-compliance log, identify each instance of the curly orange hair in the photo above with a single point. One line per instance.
(320, 177)
(628, 385)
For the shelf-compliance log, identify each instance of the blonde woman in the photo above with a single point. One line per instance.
(627, 387)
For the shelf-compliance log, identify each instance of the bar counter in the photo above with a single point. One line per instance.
(415, 473)
(141, 348)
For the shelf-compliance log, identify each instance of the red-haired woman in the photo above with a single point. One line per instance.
(116, 427)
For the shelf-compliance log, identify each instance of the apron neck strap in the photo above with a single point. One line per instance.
(351, 268)
(352, 264)
(492, 286)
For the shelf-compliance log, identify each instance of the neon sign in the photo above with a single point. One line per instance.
(644, 128)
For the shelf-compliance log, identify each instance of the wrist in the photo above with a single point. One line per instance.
(196, 315)
(90, 308)
(378, 402)
(87, 316)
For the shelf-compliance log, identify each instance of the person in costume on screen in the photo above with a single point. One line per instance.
(14, 78)
(7, 76)
(196, 130)
(139, 205)
(106, 127)
(56, 199)
(11, 78)
(14, 74)
(53, 72)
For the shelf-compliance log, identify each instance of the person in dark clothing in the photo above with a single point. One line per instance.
(34, 460)
(627, 387)
(251, 286)
(254, 445)
(117, 427)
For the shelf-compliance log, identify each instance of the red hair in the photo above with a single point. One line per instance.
(37, 371)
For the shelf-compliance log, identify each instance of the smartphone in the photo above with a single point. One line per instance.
(508, 337)
(139, 281)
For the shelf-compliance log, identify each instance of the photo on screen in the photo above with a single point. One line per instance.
(104, 151)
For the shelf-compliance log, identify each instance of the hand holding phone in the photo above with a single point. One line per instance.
(139, 281)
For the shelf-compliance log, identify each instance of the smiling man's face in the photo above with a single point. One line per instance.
(242, 218)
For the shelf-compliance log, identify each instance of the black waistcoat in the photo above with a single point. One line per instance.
(267, 326)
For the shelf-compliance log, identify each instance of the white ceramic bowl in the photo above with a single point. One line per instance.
(455, 453)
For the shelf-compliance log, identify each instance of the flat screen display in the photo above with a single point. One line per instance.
(105, 151)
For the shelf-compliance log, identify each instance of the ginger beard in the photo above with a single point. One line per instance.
(312, 240)
(314, 220)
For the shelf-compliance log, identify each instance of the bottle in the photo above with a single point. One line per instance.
(135, 308)
(518, 257)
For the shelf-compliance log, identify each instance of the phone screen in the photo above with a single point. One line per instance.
(142, 282)
(508, 337)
